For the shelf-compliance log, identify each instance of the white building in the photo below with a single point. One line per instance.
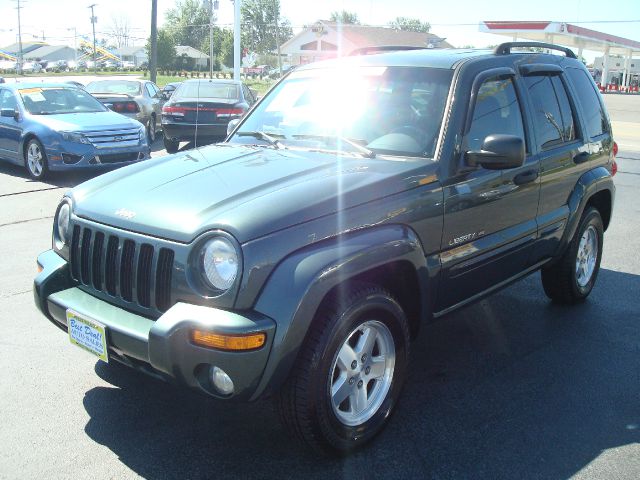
(616, 69)
(189, 57)
(136, 55)
(324, 40)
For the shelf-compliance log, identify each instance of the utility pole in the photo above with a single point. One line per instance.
(277, 12)
(236, 39)
(153, 54)
(20, 59)
(93, 24)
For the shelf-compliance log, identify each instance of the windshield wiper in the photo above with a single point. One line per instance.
(363, 150)
(269, 138)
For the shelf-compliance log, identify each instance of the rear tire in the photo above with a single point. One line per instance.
(349, 372)
(151, 130)
(35, 159)
(571, 279)
(171, 146)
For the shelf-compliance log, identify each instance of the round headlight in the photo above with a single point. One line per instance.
(62, 224)
(219, 263)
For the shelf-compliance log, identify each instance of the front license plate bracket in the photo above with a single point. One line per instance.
(88, 334)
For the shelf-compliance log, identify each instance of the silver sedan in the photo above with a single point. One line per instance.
(141, 100)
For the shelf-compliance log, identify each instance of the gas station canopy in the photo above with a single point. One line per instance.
(564, 34)
(572, 36)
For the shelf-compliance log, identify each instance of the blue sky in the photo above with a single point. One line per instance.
(455, 20)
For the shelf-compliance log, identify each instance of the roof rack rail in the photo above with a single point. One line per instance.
(505, 48)
(383, 48)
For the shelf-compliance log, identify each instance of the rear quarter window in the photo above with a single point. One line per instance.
(595, 119)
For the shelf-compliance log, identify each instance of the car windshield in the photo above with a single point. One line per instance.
(58, 100)
(226, 91)
(387, 110)
(114, 86)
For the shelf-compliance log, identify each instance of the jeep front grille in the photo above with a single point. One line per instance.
(122, 268)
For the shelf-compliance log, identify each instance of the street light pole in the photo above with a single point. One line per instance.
(20, 59)
(236, 39)
(93, 24)
(75, 43)
(153, 54)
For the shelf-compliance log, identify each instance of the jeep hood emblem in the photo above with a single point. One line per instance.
(124, 213)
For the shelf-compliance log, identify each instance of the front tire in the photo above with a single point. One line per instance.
(35, 159)
(571, 279)
(171, 146)
(349, 372)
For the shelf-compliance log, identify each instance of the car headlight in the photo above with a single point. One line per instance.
(219, 261)
(142, 133)
(61, 226)
(75, 137)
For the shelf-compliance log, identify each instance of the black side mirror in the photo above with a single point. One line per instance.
(9, 112)
(498, 152)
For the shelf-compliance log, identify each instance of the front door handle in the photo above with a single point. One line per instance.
(525, 177)
(581, 158)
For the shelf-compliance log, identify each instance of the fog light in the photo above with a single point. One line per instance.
(221, 381)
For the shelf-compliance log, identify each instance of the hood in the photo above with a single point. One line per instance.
(86, 122)
(246, 191)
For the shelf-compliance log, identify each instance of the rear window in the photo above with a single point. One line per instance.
(596, 120)
(114, 86)
(227, 91)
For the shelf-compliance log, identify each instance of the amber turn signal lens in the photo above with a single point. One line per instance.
(40, 267)
(228, 342)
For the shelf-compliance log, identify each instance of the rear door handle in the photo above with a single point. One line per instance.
(581, 157)
(525, 177)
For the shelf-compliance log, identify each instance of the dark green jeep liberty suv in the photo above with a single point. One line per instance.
(357, 199)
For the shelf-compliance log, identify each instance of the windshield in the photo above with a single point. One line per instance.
(58, 100)
(227, 91)
(388, 110)
(114, 86)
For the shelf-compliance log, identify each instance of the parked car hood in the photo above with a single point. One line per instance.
(246, 191)
(86, 122)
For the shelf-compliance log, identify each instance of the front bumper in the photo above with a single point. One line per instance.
(66, 155)
(162, 347)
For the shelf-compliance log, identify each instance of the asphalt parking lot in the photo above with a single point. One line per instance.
(512, 387)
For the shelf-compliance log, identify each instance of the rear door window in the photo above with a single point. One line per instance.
(552, 113)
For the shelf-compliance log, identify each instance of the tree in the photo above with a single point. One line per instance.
(347, 18)
(259, 18)
(188, 23)
(120, 30)
(166, 49)
(410, 25)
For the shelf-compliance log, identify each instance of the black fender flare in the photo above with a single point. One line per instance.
(301, 281)
(587, 186)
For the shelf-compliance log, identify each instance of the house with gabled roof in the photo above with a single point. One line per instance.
(136, 55)
(324, 40)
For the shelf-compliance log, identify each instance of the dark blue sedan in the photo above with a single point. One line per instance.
(49, 127)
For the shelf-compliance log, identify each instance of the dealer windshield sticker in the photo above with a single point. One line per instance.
(34, 96)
